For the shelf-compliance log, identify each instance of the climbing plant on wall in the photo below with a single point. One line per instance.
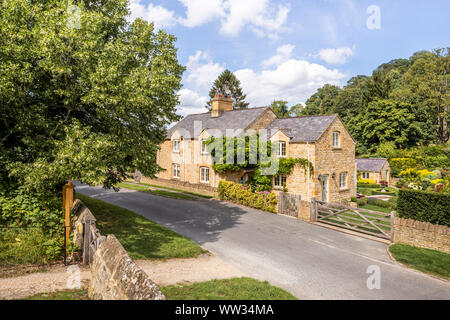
(247, 155)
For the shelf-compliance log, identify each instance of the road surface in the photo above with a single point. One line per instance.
(310, 261)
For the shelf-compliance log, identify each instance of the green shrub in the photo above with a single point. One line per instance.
(361, 202)
(424, 206)
(379, 203)
(400, 164)
(244, 195)
(368, 185)
(38, 237)
(29, 245)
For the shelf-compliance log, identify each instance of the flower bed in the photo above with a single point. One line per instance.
(237, 193)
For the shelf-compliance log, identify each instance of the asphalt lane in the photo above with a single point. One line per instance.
(309, 261)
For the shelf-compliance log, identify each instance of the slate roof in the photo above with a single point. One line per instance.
(302, 129)
(236, 119)
(370, 164)
(299, 129)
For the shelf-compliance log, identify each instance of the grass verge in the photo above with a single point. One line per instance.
(80, 294)
(143, 239)
(227, 289)
(157, 192)
(174, 189)
(426, 260)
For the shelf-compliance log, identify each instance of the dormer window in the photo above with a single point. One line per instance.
(336, 140)
(176, 145)
(281, 150)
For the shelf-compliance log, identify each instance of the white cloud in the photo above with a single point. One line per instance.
(261, 16)
(293, 80)
(191, 102)
(161, 17)
(202, 71)
(335, 56)
(284, 53)
(199, 12)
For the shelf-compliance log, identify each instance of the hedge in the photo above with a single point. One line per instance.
(244, 195)
(368, 185)
(424, 206)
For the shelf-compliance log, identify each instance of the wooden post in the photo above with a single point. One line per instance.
(313, 210)
(392, 225)
(68, 196)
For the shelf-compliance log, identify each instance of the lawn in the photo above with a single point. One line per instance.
(376, 208)
(429, 261)
(157, 192)
(143, 239)
(227, 289)
(178, 190)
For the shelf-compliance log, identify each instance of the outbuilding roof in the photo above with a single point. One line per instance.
(370, 164)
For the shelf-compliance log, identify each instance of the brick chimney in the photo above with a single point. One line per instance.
(220, 104)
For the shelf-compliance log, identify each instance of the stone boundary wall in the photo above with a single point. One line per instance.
(422, 234)
(304, 212)
(182, 185)
(115, 276)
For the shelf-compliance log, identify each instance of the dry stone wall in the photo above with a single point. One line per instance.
(115, 276)
(422, 234)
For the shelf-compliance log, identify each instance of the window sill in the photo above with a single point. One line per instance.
(344, 190)
(176, 178)
(204, 182)
(176, 151)
(337, 148)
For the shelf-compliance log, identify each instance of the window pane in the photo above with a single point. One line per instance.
(277, 181)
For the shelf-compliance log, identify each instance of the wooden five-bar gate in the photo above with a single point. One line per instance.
(375, 223)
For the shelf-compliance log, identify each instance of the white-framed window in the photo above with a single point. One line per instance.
(336, 139)
(281, 149)
(366, 175)
(204, 147)
(279, 181)
(176, 170)
(343, 180)
(176, 145)
(204, 174)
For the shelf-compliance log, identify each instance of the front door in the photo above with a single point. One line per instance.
(325, 188)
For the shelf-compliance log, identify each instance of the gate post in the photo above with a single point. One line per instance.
(281, 198)
(392, 225)
(313, 209)
(68, 196)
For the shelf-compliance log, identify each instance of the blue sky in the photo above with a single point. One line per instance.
(288, 49)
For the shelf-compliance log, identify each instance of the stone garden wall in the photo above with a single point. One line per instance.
(422, 234)
(115, 276)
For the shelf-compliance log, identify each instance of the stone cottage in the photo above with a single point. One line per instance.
(323, 140)
(376, 169)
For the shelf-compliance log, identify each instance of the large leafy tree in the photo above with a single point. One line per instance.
(323, 101)
(387, 121)
(420, 82)
(228, 84)
(280, 108)
(84, 94)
